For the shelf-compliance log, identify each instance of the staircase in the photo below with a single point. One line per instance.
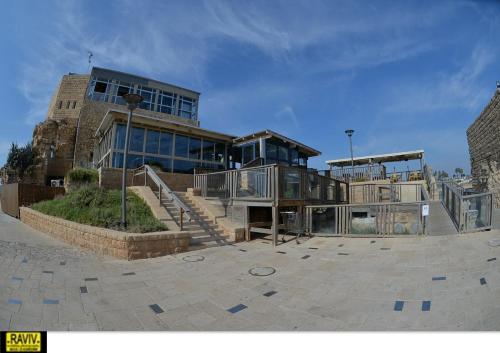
(188, 217)
(204, 233)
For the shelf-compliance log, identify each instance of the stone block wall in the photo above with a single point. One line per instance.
(483, 137)
(128, 246)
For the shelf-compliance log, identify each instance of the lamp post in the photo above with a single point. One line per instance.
(349, 133)
(133, 101)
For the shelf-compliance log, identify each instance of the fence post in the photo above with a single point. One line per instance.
(182, 214)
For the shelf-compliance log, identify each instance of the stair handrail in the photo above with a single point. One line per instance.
(172, 197)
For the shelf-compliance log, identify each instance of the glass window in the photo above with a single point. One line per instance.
(271, 152)
(137, 139)
(148, 95)
(120, 136)
(220, 149)
(181, 146)
(164, 163)
(117, 160)
(294, 156)
(283, 153)
(194, 148)
(152, 141)
(166, 101)
(187, 107)
(166, 140)
(208, 150)
(186, 167)
(248, 153)
(100, 87)
(134, 161)
(118, 90)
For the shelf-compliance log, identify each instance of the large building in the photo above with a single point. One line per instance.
(483, 137)
(85, 127)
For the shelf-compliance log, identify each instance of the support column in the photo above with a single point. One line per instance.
(276, 221)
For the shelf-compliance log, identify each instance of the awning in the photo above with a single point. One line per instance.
(378, 158)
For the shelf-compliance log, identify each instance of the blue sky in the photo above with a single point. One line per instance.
(403, 74)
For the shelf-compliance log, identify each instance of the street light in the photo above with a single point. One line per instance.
(133, 101)
(349, 133)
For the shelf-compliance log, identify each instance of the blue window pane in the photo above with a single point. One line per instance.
(164, 163)
(137, 139)
(208, 150)
(166, 140)
(120, 136)
(117, 160)
(181, 146)
(152, 141)
(220, 149)
(134, 161)
(194, 148)
(186, 167)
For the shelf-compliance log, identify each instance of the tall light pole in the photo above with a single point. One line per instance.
(349, 133)
(133, 101)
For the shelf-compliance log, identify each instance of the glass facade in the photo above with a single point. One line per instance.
(111, 91)
(170, 151)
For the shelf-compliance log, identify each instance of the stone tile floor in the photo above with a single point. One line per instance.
(383, 285)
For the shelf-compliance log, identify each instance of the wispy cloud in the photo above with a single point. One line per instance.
(461, 88)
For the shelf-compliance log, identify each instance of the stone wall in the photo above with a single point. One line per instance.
(483, 137)
(128, 246)
(111, 178)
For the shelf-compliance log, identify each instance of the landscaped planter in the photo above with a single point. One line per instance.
(129, 246)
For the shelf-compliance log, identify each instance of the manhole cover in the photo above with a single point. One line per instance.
(193, 258)
(261, 271)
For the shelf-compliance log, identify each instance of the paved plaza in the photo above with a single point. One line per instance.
(432, 283)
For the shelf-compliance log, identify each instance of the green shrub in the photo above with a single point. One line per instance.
(83, 176)
(102, 208)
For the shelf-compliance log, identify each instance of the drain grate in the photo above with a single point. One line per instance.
(482, 281)
(193, 258)
(492, 259)
(270, 293)
(440, 278)
(262, 271)
(306, 256)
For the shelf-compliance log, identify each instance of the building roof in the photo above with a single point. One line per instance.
(141, 78)
(378, 158)
(269, 133)
(151, 121)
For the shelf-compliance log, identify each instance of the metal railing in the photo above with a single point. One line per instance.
(164, 192)
(373, 220)
(469, 212)
(373, 173)
(272, 182)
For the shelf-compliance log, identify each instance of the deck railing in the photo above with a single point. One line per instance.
(374, 219)
(272, 182)
(373, 173)
(469, 212)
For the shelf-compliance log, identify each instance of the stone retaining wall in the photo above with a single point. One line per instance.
(129, 246)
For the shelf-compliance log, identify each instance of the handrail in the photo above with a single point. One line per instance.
(172, 197)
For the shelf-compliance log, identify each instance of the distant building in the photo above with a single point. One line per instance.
(483, 137)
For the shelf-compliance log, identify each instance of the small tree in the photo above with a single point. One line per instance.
(21, 159)
(459, 171)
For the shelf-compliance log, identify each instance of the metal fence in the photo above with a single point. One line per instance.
(469, 212)
(372, 220)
